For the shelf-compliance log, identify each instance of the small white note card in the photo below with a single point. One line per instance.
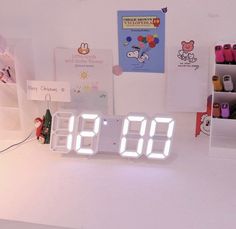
(59, 91)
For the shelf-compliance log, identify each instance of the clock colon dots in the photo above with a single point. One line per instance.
(139, 136)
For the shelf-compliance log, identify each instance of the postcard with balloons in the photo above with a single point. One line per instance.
(141, 37)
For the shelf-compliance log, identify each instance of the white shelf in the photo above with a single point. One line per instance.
(224, 127)
(222, 152)
(224, 142)
(221, 97)
(223, 131)
(223, 69)
(16, 112)
(223, 134)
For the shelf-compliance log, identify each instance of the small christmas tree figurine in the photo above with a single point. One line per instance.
(46, 131)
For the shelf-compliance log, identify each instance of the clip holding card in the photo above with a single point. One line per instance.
(48, 100)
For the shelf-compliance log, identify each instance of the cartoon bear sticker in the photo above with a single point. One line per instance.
(186, 53)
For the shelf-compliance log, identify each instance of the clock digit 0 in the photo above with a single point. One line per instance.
(160, 135)
(132, 137)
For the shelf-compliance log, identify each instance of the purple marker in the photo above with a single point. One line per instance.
(225, 110)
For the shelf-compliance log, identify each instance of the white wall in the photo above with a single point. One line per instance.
(52, 23)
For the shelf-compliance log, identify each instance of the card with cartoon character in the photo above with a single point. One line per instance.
(203, 120)
(187, 81)
(141, 37)
(89, 72)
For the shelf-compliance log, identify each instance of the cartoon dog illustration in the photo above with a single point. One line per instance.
(138, 54)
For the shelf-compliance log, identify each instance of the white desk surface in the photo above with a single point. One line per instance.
(9, 224)
(190, 191)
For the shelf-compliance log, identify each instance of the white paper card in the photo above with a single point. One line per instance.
(90, 77)
(39, 90)
(188, 78)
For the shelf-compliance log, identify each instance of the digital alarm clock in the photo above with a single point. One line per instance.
(131, 136)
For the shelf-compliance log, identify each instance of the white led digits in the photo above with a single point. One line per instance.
(62, 131)
(138, 136)
(88, 126)
(132, 137)
(70, 136)
(160, 135)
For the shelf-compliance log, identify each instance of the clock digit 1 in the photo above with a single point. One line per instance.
(160, 134)
(87, 129)
(132, 137)
(62, 130)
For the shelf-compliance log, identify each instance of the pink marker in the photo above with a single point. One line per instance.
(234, 52)
(228, 54)
(219, 54)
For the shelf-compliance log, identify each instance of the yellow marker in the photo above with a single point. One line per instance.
(217, 84)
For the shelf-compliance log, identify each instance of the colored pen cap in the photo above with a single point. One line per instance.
(217, 84)
(219, 54)
(216, 105)
(228, 83)
(216, 110)
(228, 54)
(215, 78)
(218, 47)
(224, 105)
(227, 46)
(224, 110)
(234, 52)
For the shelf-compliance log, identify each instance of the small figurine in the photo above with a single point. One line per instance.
(43, 128)
(41, 139)
(38, 123)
